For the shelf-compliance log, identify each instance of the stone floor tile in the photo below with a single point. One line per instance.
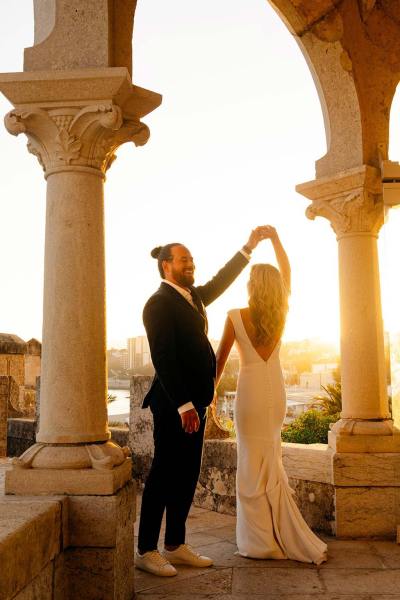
(184, 596)
(389, 552)
(145, 581)
(195, 539)
(224, 555)
(214, 584)
(266, 596)
(4, 465)
(361, 581)
(275, 580)
(200, 521)
(317, 596)
(352, 553)
(201, 538)
(227, 532)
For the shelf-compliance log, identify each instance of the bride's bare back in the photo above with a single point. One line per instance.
(263, 350)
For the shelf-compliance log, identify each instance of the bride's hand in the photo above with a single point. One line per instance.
(262, 232)
(269, 232)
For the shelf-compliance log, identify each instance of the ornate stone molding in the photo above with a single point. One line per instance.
(74, 137)
(101, 457)
(357, 212)
(352, 201)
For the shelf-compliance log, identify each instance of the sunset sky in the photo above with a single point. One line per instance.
(240, 125)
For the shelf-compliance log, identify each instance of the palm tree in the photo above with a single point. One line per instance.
(331, 403)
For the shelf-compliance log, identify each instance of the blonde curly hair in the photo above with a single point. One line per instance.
(268, 302)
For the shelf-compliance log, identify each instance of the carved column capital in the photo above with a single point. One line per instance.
(76, 138)
(352, 201)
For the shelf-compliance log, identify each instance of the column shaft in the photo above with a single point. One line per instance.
(73, 386)
(364, 387)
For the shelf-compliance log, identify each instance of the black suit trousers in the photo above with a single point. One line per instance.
(172, 479)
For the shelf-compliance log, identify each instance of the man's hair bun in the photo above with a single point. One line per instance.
(155, 253)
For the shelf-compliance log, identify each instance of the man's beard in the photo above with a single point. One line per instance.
(183, 279)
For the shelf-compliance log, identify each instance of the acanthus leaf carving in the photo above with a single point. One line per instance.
(67, 147)
(76, 136)
(35, 151)
(358, 211)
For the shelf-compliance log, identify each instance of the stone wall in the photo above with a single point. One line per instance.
(9, 397)
(14, 366)
(3, 415)
(67, 547)
(140, 428)
(21, 361)
(20, 436)
(308, 468)
(32, 369)
(30, 570)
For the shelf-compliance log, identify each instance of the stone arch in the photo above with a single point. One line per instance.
(394, 149)
(356, 69)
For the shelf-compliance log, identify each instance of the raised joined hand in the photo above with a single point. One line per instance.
(262, 232)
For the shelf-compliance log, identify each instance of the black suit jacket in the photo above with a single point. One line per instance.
(182, 356)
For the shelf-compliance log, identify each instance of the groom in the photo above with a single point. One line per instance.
(176, 324)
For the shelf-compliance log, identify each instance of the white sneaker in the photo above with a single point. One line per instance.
(185, 555)
(153, 562)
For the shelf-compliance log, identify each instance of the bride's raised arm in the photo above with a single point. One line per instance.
(281, 256)
(225, 345)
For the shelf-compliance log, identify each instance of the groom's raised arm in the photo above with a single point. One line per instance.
(223, 279)
(227, 275)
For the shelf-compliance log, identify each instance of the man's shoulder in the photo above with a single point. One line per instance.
(160, 296)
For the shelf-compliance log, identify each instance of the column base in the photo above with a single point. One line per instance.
(361, 435)
(88, 482)
(100, 456)
(90, 469)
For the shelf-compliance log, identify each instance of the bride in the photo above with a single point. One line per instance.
(269, 524)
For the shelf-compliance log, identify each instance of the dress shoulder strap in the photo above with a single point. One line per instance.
(234, 315)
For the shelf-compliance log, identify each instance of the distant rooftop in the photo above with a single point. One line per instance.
(11, 344)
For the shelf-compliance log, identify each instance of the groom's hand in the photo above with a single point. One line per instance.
(190, 420)
(257, 234)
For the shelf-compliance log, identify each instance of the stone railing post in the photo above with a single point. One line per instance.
(352, 202)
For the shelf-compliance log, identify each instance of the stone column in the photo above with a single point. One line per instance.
(74, 136)
(352, 201)
(366, 444)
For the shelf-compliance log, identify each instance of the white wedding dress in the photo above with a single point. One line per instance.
(269, 524)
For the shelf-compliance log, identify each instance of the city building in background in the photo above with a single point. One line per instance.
(117, 359)
(138, 352)
(321, 375)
